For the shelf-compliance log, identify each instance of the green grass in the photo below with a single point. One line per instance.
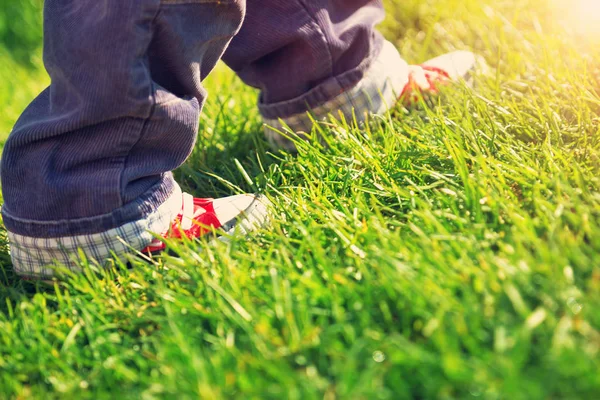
(448, 252)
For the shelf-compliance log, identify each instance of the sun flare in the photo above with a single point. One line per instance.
(585, 16)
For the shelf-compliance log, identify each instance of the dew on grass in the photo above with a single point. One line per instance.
(300, 360)
(568, 272)
(574, 305)
(475, 391)
(378, 356)
(311, 371)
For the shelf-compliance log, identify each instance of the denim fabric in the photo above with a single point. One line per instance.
(301, 54)
(94, 151)
(375, 93)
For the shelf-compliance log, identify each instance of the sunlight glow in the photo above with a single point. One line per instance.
(585, 16)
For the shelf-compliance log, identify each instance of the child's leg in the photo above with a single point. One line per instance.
(318, 55)
(88, 163)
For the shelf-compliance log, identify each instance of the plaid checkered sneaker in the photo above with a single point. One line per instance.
(181, 215)
(389, 80)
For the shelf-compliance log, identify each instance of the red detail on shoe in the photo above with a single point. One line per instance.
(204, 220)
(435, 77)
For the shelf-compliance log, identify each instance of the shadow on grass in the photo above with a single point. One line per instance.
(228, 163)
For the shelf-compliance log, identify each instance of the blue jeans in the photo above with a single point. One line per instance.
(122, 111)
(95, 149)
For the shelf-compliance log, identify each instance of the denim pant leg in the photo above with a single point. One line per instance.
(322, 56)
(88, 163)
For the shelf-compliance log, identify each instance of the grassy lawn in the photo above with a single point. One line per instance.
(448, 252)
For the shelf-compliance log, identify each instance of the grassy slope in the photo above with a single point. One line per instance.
(448, 252)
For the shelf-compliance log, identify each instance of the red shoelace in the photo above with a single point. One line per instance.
(423, 80)
(196, 218)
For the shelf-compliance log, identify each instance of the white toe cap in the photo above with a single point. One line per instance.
(247, 211)
(458, 64)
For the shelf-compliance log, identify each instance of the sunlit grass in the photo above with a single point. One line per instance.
(449, 252)
(18, 86)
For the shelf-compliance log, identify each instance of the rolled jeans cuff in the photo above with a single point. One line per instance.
(383, 81)
(33, 257)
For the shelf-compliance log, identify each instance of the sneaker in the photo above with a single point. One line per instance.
(423, 81)
(426, 79)
(198, 217)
